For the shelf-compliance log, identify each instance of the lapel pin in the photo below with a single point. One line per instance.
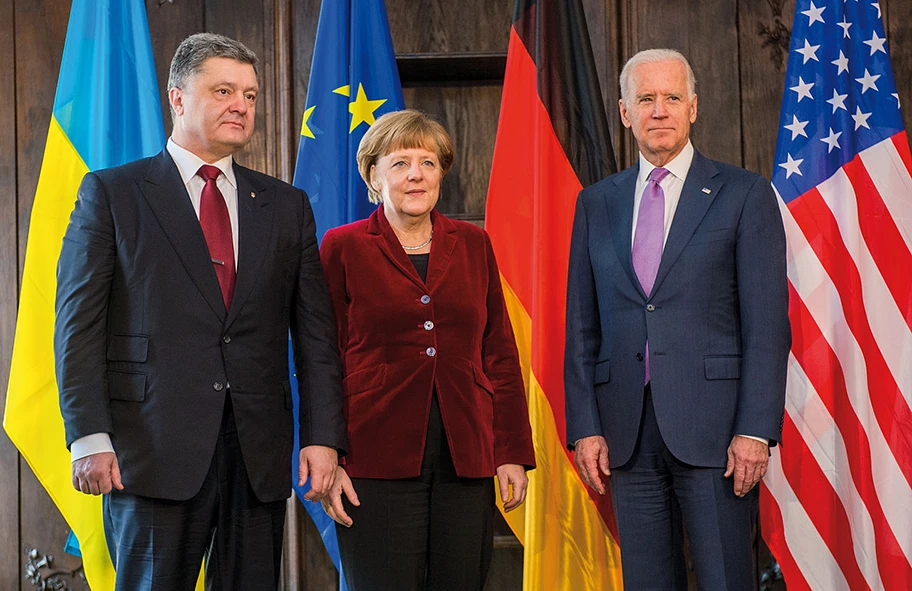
(252, 195)
(706, 190)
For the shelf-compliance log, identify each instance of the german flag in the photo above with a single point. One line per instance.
(552, 140)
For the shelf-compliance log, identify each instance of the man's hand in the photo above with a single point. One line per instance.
(332, 503)
(591, 456)
(97, 474)
(747, 460)
(319, 463)
(512, 475)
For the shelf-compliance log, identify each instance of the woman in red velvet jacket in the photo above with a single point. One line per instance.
(434, 397)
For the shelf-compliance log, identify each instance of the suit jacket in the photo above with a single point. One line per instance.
(716, 321)
(401, 339)
(146, 350)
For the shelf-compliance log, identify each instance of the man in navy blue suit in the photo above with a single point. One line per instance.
(677, 340)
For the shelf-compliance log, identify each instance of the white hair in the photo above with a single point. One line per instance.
(648, 56)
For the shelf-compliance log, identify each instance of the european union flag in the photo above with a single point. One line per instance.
(353, 80)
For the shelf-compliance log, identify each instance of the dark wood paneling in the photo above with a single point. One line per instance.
(246, 22)
(897, 16)
(432, 26)
(708, 37)
(169, 24)
(470, 115)
(764, 41)
(9, 289)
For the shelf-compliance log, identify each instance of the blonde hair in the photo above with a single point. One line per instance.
(402, 130)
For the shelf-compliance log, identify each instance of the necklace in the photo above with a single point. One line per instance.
(422, 245)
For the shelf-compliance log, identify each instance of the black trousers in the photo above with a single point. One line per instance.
(653, 493)
(159, 544)
(435, 531)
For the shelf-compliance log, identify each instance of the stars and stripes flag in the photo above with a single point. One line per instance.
(837, 501)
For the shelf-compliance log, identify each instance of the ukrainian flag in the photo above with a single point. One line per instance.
(107, 111)
(353, 80)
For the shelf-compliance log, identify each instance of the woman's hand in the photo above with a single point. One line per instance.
(512, 475)
(332, 502)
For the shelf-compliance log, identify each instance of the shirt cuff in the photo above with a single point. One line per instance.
(95, 443)
(760, 439)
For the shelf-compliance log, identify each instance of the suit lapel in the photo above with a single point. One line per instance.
(620, 217)
(385, 239)
(255, 218)
(695, 201)
(167, 197)
(441, 249)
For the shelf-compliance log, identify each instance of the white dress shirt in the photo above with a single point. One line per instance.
(188, 164)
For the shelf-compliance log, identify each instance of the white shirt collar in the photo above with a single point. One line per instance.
(189, 163)
(678, 166)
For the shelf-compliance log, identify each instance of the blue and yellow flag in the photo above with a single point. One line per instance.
(107, 111)
(353, 80)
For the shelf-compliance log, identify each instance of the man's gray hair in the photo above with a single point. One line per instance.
(648, 56)
(196, 49)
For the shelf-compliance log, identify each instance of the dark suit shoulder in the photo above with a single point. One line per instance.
(136, 168)
(608, 184)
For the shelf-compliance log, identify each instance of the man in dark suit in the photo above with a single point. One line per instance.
(677, 340)
(178, 282)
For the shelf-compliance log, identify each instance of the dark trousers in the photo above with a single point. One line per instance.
(158, 544)
(430, 532)
(653, 492)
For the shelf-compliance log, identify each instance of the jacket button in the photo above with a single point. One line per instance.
(639, 356)
(226, 339)
(218, 386)
(431, 351)
(425, 299)
(650, 308)
(428, 325)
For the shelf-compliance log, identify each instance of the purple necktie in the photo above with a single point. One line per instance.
(650, 236)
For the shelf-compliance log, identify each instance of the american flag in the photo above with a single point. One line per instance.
(837, 500)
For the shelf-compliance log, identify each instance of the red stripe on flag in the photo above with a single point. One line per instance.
(819, 226)
(901, 141)
(773, 523)
(820, 502)
(822, 367)
(886, 244)
(529, 216)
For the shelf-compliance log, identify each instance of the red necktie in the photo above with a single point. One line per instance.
(217, 229)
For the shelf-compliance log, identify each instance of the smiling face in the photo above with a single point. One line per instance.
(660, 110)
(408, 180)
(215, 109)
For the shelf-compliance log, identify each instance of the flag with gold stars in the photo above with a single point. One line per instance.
(353, 80)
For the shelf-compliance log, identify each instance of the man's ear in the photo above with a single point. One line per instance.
(623, 109)
(176, 99)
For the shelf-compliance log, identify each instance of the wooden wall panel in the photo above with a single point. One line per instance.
(763, 50)
(169, 24)
(434, 26)
(9, 291)
(708, 37)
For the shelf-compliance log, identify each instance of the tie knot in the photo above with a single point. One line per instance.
(208, 172)
(658, 174)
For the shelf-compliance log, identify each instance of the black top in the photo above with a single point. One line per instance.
(421, 264)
